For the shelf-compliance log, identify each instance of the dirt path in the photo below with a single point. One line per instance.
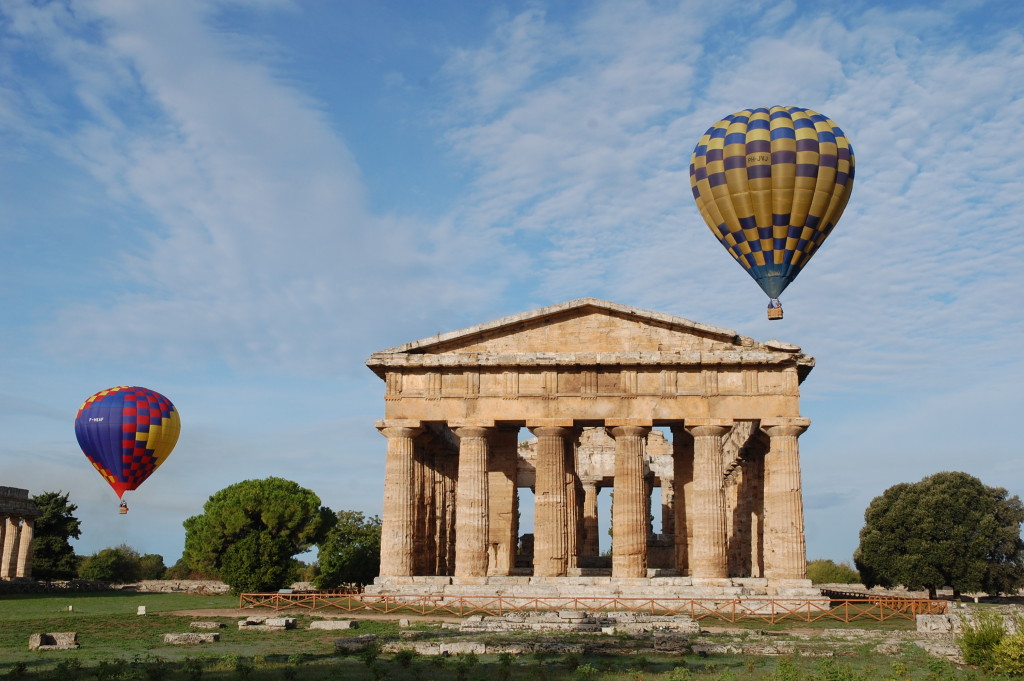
(326, 614)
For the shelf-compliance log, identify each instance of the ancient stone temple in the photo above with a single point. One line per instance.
(17, 513)
(616, 399)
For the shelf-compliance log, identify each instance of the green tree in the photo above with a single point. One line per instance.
(53, 557)
(249, 532)
(350, 554)
(825, 571)
(151, 566)
(949, 529)
(118, 564)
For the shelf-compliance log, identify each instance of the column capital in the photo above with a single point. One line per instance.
(782, 427)
(473, 431)
(392, 431)
(550, 431)
(708, 427)
(627, 430)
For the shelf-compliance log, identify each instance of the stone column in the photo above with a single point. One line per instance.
(573, 500)
(591, 541)
(24, 568)
(668, 507)
(7, 560)
(446, 462)
(398, 526)
(785, 550)
(682, 480)
(471, 522)
(503, 526)
(551, 541)
(629, 513)
(709, 558)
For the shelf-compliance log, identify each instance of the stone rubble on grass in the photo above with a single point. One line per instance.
(57, 640)
(579, 621)
(190, 638)
(206, 624)
(267, 623)
(334, 624)
(353, 644)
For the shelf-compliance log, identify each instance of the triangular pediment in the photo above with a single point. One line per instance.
(583, 327)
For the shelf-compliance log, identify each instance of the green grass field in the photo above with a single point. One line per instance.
(119, 645)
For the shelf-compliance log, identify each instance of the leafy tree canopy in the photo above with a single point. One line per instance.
(249, 531)
(351, 552)
(948, 530)
(53, 557)
(826, 571)
(120, 564)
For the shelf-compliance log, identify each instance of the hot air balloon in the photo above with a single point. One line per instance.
(771, 184)
(127, 432)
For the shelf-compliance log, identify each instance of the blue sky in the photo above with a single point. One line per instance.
(235, 203)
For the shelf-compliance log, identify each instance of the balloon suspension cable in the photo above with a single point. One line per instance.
(774, 309)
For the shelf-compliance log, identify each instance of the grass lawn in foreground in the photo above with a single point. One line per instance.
(119, 645)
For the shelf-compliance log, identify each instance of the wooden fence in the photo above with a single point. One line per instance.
(769, 610)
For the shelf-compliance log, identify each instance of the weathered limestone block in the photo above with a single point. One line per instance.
(206, 625)
(334, 624)
(267, 623)
(353, 644)
(191, 638)
(935, 624)
(58, 640)
(463, 648)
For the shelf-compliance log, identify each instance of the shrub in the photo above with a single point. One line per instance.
(825, 571)
(1008, 655)
(585, 672)
(978, 638)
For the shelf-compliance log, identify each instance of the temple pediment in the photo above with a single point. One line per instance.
(588, 331)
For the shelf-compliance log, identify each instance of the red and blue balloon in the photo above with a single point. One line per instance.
(127, 432)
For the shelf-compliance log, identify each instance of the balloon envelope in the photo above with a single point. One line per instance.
(127, 432)
(771, 184)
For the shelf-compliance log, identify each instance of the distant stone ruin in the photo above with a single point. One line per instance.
(599, 385)
(17, 513)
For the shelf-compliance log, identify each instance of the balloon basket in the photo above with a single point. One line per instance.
(122, 510)
(775, 310)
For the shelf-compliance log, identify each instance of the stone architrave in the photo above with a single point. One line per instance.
(629, 513)
(398, 526)
(471, 521)
(551, 541)
(503, 500)
(709, 559)
(786, 553)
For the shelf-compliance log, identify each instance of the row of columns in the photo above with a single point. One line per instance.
(16, 547)
(487, 457)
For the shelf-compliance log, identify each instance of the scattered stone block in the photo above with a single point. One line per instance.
(935, 624)
(57, 640)
(206, 625)
(353, 644)
(141, 610)
(267, 623)
(191, 638)
(463, 648)
(404, 622)
(334, 624)
(888, 648)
